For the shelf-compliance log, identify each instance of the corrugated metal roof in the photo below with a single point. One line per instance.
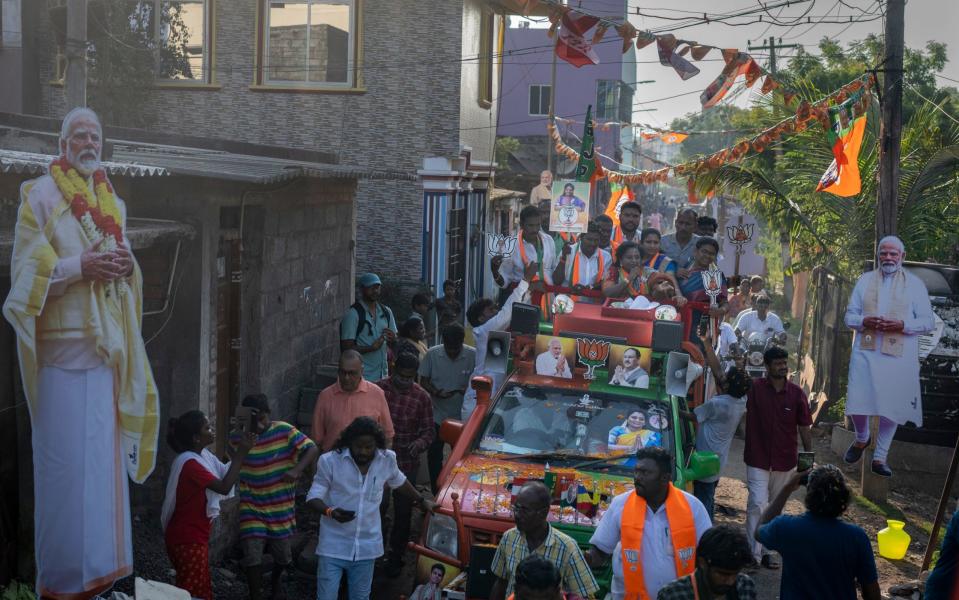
(32, 163)
(247, 168)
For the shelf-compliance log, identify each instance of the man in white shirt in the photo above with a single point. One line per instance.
(552, 363)
(347, 490)
(630, 373)
(655, 563)
(759, 320)
(533, 246)
(484, 318)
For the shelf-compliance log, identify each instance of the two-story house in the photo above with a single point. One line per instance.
(528, 89)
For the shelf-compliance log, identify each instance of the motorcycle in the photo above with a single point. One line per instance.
(751, 349)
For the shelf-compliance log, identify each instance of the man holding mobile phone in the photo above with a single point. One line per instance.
(347, 491)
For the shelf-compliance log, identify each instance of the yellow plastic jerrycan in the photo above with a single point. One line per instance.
(893, 541)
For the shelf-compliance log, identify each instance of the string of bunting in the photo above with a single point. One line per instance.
(649, 132)
(573, 46)
(806, 114)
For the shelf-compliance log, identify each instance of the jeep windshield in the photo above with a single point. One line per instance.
(567, 427)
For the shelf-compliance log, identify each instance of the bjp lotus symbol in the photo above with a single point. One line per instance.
(500, 245)
(591, 354)
(739, 235)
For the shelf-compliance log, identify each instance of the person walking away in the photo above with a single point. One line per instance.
(411, 411)
(718, 419)
(721, 555)
(75, 304)
(368, 327)
(824, 557)
(776, 410)
(588, 266)
(630, 218)
(679, 246)
(533, 535)
(943, 581)
(445, 374)
(650, 532)
(197, 483)
(484, 318)
(347, 490)
(537, 579)
(412, 337)
(350, 397)
(266, 489)
(889, 310)
(448, 308)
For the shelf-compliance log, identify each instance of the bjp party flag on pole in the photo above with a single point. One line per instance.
(588, 167)
(619, 195)
(847, 125)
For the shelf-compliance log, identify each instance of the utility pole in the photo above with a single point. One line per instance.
(784, 242)
(890, 134)
(75, 86)
(874, 487)
(552, 108)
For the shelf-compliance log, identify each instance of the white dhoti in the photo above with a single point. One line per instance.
(82, 509)
(885, 384)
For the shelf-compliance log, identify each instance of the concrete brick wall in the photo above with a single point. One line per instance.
(303, 287)
(412, 71)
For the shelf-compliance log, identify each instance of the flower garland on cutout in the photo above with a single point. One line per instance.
(98, 215)
(806, 113)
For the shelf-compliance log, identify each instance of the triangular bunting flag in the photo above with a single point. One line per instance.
(769, 84)
(586, 166)
(572, 46)
(668, 57)
(752, 72)
(673, 138)
(700, 52)
(718, 89)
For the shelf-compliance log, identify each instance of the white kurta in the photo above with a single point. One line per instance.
(880, 384)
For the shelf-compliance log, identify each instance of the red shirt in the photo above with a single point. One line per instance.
(412, 415)
(772, 422)
(189, 523)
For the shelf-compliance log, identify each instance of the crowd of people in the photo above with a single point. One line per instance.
(373, 426)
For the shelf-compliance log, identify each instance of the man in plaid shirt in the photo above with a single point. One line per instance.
(411, 410)
(721, 554)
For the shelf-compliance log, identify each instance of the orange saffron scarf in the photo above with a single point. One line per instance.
(599, 273)
(682, 532)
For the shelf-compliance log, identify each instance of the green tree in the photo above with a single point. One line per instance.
(126, 58)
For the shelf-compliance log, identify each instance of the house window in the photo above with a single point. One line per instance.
(182, 36)
(539, 97)
(487, 31)
(309, 43)
(614, 100)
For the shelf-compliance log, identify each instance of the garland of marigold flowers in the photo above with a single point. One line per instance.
(102, 208)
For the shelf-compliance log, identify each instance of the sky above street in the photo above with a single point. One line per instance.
(925, 20)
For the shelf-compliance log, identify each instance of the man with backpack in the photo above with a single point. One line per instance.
(368, 327)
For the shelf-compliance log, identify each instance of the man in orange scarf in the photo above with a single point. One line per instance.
(583, 265)
(658, 526)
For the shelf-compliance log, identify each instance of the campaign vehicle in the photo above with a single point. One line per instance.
(580, 395)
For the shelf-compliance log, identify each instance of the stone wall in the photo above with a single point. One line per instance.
(408, 109)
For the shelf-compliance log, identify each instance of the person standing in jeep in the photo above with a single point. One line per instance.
(368, 327)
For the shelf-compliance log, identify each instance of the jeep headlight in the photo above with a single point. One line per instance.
(441, 535)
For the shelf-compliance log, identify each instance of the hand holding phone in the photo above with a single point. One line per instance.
(805, 464)
(342, 515)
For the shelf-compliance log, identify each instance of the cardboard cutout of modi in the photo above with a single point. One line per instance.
(75, 304)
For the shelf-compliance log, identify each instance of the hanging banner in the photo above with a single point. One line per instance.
(586, 167)
(718, 89)
(847, 125)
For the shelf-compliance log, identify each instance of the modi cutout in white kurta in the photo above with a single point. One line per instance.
(93, 403)
(884, 380)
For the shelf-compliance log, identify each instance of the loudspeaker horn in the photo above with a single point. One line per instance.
(497, 351)
(681, 372)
